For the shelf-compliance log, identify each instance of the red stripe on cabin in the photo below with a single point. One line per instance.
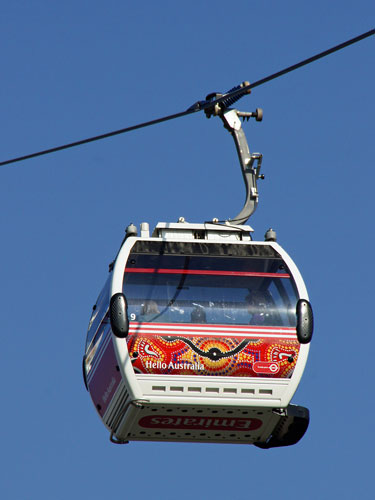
(151, 270)
(199, 330)
(204, 326)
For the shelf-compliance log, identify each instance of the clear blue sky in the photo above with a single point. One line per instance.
(78, 68)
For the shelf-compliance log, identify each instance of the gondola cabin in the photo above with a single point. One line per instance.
(200, 334)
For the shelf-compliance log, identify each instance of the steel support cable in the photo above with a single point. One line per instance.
(307, 61)
(96, 138)
(198, 106)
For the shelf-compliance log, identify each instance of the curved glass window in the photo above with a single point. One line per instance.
(166, 288)
(99, 323)
(99, 311)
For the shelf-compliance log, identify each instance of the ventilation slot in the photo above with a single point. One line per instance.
(194, 389)
(197, 436)
(247, 391)
(159, 388)
(265, 391)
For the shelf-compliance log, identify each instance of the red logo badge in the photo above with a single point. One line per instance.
(267, 367)
(200, 423)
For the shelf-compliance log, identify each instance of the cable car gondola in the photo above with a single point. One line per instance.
(200, 333)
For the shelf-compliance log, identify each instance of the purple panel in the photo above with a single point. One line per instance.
(105, 380)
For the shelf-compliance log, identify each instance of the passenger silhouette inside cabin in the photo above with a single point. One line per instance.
(258, 306)
(149, 310)
(198, 314)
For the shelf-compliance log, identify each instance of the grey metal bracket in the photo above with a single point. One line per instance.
(250, 163)
(137, 403)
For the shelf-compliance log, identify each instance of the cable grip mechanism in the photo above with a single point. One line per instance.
(250, 163)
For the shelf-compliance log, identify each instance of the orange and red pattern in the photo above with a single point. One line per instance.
(213, 350)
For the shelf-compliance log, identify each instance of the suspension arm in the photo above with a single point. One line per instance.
(250, 172)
